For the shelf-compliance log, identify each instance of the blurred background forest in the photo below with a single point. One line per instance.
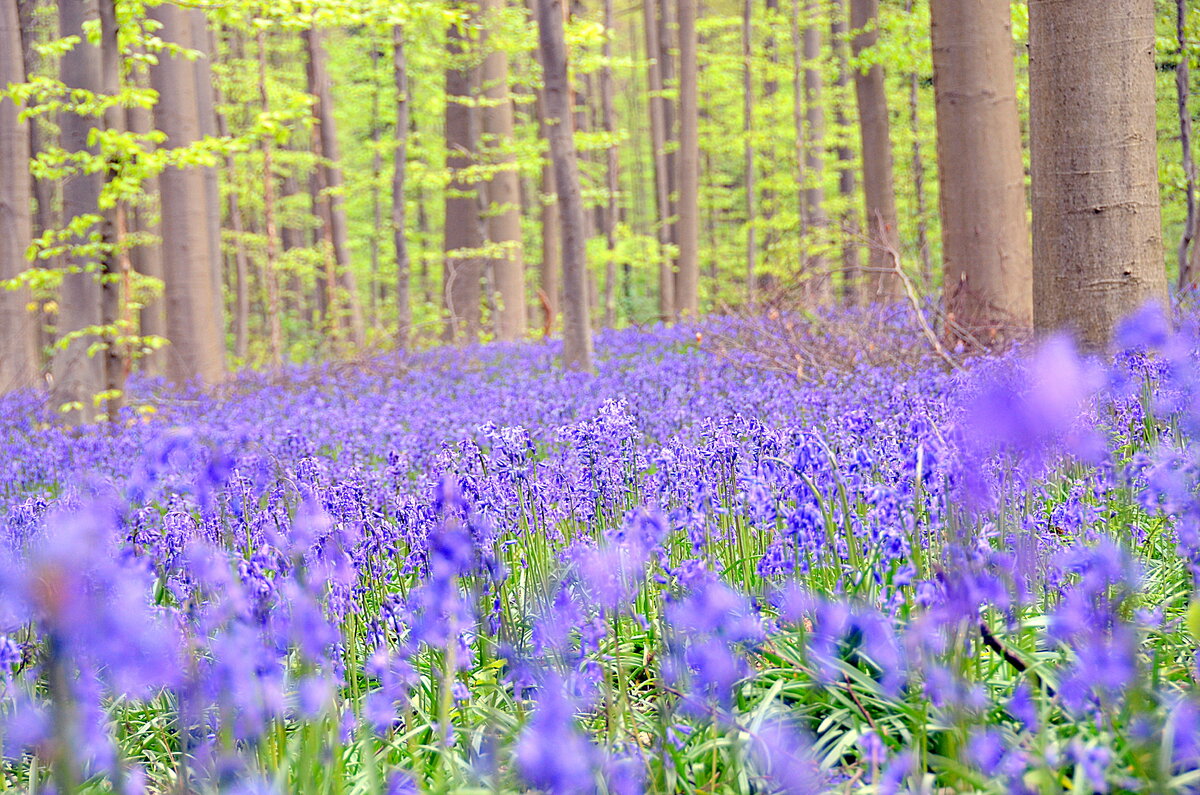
(326, 167)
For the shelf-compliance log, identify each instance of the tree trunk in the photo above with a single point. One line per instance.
(241, 264)
(1097, 240)
(375, 284)
(985, 236)
(463, 271)
(504, 189)
(18, 346)
(612, 172)
(325, 133)
(1189, 264)
(270, 275)
(78, 377)
(662, 169)
(116, 261)
(203, 42)
(197, 344)
(813, 141)
(878, 188)
(748, 134)
(399, 206)
(147, 258)
(847, 184)
(687, 284)
(577, 337)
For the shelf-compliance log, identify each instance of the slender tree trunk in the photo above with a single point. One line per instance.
(147, 258)
(612, 171)
(504, 189)
(918, 170)
(116, 261)
(1189, 263)
(241, 263)
(197, 344)
(662, 169)
(985, 235)
(770, 92)
(748, 134)
(375, 283)
(78, 377)
(878, 187)
(847, 184)
(463, 271)
(18, 346)
(1097, 240)
(577, 337)
(813, 141)
(203, 42)
(550, 269)
(399, 205)
(46, 190)
(270, 274)
(326, 134)
(687, 284)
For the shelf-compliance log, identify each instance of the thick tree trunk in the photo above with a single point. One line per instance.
(748, 144)
(18, 346)
(875, 133)
(985, 235)
(1189, 262)
(612, 172)
(399, 206)
(577, 337)
(687, 298)
(325, 133)
(77, 376)
(197, 343)
(662, 169)
(504, 189)
(463, 271)
(813, 142)
(847, 184)
(1097, 240)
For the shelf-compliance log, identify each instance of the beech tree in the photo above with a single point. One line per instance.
(18, 340)
(577, 336)
(687, 294)
(197, 349)
(503, 189)
(1097, 239)
(879, 194)
(462, 236)
(987, 281)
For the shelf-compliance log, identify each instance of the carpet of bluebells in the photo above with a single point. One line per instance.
(471, 571)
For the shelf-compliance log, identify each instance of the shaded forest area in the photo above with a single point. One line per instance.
(190, 189)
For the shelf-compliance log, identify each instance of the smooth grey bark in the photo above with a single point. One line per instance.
(662, 166)
(687, 282)
(748, 144)
(1189, 261)
(197, 343)
(503, 191)
(399, 205)
(879, 190)
(463, 272)
(78, 377)
(147, 258)
(325, 138)
(612, 169)
(985, 234)
(1097, 238)
(18, 341)
(577, 337)
(813, 142)
(847, 182)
